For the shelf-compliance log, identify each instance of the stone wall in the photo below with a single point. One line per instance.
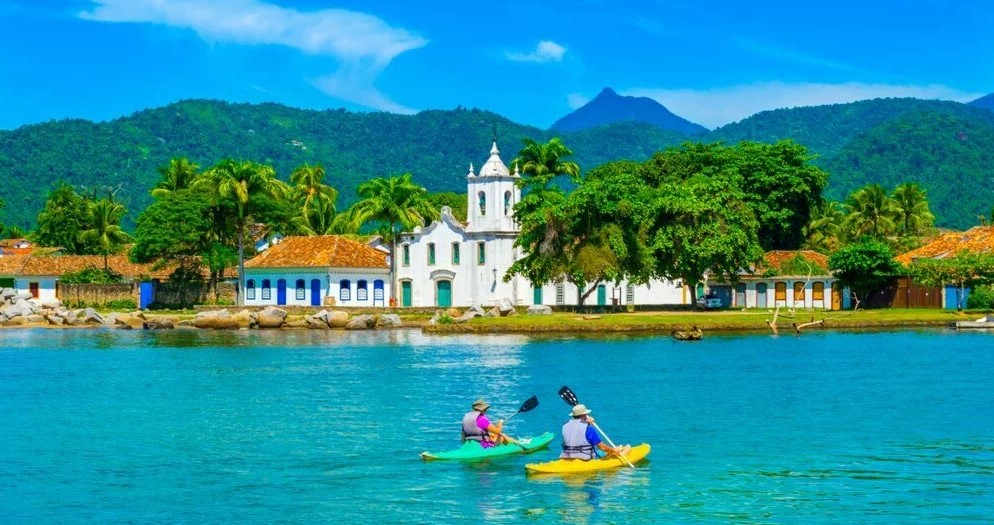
(95, 294)
(177, 295)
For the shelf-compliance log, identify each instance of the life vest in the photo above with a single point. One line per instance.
(471, 431)
(575, 444)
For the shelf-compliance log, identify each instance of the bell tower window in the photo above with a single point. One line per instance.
(482, 197)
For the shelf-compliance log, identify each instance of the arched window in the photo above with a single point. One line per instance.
(407, 255)
(250, 289)
(267, 290)
(455, 253)
(481, 253)
(483, 203)
(431, 254)
(377, 291)
(360, 290)
(507, 203)
(344, 290)
(301, 289)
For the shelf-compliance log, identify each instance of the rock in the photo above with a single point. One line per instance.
(316, 323)
(389, 321)
(493, 312)
(361, 322)
(34, 318)
(467, 316)
(55, 320)
(338, 319)
(453, 313)
(90, 316)
(480, 312)
(300, 323)
(539, 309)
(244, 319)
(159, 324)
(271, 317)
(505, 306)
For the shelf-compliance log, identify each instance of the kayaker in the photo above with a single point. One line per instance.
(477, 427)
(580, 437)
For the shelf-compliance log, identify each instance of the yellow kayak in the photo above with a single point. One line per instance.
(568, 466)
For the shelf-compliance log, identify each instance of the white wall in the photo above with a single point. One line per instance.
(752, 295)
(46, 287)
(330, 281)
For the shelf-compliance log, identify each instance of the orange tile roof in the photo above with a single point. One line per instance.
(979, 239)
(56, 265)
(775, 259)
(323, 251)
(12, 264)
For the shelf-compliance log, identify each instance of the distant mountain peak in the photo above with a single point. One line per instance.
(986, 102)
(609, 107)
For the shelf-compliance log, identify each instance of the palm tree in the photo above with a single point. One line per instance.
(102, 228)
(238, 182)
(912, 204)
(544, 162)
(400, 204)
(178, 175)
(824, 233)
(322, 219)
(871, 212)
(309, 187)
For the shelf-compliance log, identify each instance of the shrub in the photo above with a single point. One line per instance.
(981, 298)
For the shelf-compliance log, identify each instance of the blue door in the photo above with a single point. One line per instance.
(146, 294)
(601, 295)
(281, 292)
(315, 292)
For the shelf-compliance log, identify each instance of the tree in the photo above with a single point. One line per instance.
(102, 229)
(238, 182)
(864, 266)
(545, 162)
(824, 233)
(309, 189)
(965, 269)
(175, 226)
(398, 203)
(912, 207)
(782, 187)
(60, 223)
(179, 174)
(456, 201)
(871, 212)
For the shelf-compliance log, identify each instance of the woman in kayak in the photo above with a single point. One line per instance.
(476, 426)
(580, 437)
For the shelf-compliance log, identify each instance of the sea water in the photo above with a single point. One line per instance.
(104, 426)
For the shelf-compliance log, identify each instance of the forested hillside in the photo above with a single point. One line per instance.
(945, 146)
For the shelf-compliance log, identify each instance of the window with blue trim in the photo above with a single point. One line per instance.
(267, 290)
(344, 290)
(301, 290)
(250, 289)
(360, 290)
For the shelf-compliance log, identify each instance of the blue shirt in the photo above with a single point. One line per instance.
(592, 436)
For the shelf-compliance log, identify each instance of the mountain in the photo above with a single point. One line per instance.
(986, 102)
(609, 107)
(436, 147)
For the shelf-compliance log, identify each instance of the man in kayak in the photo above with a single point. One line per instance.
(476, 426)
(580, 437)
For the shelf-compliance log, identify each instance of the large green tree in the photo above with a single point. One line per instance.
(247, 186)
(911, 203)
(60, 223)
(179, 174)
(102, 229)
(176, 225)
(871, 212)
(863, 266)
(396, 203)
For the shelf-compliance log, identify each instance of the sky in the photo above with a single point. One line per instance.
(711, 62)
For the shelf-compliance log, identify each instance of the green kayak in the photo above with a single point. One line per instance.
(471, 450)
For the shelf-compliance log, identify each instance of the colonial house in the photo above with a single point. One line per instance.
(785, 278)
(39, 275)
(979, 239)
(318, 270)
(452, 264)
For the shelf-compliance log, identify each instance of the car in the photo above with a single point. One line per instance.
(709, 302)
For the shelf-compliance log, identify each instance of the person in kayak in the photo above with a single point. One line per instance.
(477, 427)
(580, 437)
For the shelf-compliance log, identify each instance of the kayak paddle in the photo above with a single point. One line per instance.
(570, 398)
(527, 406)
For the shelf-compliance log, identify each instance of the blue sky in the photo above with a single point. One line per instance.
(711, 62)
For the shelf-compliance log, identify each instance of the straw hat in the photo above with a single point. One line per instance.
(480, 405)
(580, 410)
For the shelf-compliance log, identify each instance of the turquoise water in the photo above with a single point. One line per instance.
(325, 427)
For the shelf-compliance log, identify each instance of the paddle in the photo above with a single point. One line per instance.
(570, 398)
(527, 406)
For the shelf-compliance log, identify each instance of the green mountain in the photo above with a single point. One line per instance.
(609, 107)
(986, 102)
(945, 146)
(124, 154)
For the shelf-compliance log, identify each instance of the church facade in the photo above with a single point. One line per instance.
(460, 265)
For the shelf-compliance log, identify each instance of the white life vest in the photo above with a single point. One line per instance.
(575, 444)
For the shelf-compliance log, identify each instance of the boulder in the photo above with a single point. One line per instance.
(493, 312)
(271, 317)
(89, 316)
(299, 323)
(388, 321)
(55, 320)
(361, 322)
(505, 306)
(165, 323)
(244, 319)
(338, 319)
(539, 309)
(453, 312)
(468, 315)
(316, 323)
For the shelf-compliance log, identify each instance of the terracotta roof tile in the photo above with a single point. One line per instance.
(979, 239)
(12, 264)
(324, 251)
(57, 265)
(775, 259)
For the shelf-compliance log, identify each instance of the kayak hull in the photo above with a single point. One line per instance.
(570, 466)
(471, 450)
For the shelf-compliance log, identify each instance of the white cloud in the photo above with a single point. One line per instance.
(363, 44)
(545, 51)
(716, 107)
(577, 100)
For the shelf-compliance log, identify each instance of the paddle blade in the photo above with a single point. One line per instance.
(568, 396)
(529, 404)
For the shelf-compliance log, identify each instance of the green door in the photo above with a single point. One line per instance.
(444, 293)
(537, 295)
(405, 293)
(601, 295)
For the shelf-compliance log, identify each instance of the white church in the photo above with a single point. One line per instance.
(453, 264)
